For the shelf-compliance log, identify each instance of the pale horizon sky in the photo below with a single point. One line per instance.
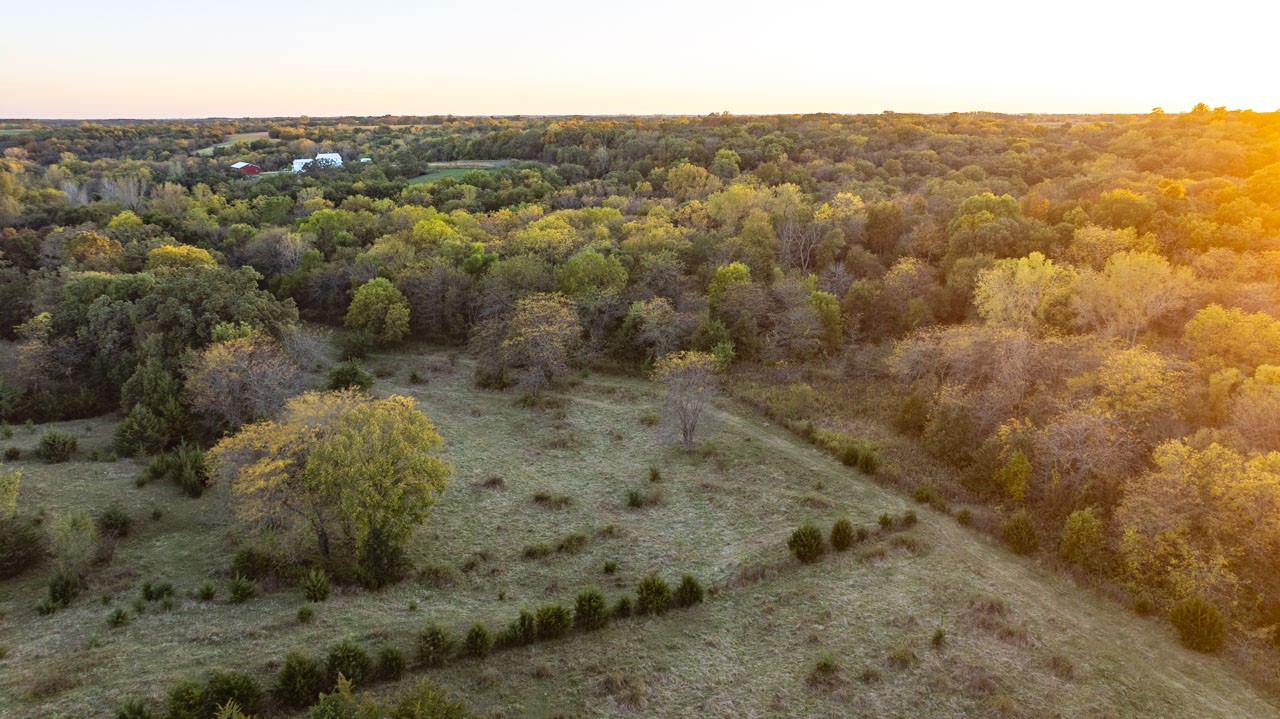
(148, 59)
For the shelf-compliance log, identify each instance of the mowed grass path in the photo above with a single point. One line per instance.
(729, 507)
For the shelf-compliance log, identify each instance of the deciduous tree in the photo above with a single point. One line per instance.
(689, 382)
(337, 469)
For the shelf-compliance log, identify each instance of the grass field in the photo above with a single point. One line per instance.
(1020, 641)
(236, 139)
(456, 169)
(14, 130)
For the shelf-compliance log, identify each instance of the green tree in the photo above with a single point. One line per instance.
(379, 310)
(339, 468)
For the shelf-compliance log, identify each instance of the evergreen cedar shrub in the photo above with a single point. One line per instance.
(191, 699)
(390, 665)
(688, 592)
(115, 522)
(842, 535)
(240, 590)
(299, 681)
(553, 622)
(64, 587)
(186, 701)
(227, 686)
(155, 591)
(306, 613)
(206, 592)
(55, 447)
(1020, 534)
(590, 612)
(253, 562)
(653, 595)
(185, 466)
(315, 586)
(381, 561)
(807, 544)
(522, 631)
(134, 709)
(351, 661)
(478, 643)
(1082, 539)
(623, 608)
(117, 618)
(350, 374)
(434, 646)
(22, 546)
(1199, 623)
(861, 454)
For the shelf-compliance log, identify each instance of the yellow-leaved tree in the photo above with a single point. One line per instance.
(343, 473)
(1205, 522)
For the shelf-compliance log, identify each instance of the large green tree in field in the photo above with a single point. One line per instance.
(345, 474)
(379, 310)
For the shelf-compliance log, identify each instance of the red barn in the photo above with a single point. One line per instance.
(247, 168)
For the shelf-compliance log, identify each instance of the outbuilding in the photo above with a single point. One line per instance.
(247, 168)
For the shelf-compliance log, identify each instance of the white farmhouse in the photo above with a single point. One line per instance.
(330, 159)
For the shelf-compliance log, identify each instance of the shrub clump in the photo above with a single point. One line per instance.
(64, 587)
(653, 595)
(390, 665)
(115, 522)
(842, 535)
(350, 660)
(434, 646)
(226, 686)
(807, 543)
(192, 699)
(55, 446)
(522, 631)
(479, 642)
(553, 622)
(859, 453)
(134, 709)
(184, 465)
(22, 546)
(623, 608)
(590, 611)
(299, 682)
(315, 586)
(306, 614)
(1199, 623)
(1020, 533)
(118, 618)
(240, 590)
(688, 592)
(350, 374)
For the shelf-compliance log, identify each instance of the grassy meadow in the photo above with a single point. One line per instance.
(440, 170)
(1016, 639)
(239, 138)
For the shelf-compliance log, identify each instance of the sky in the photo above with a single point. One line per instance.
(237, 58)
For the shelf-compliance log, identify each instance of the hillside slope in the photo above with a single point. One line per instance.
(1017, 640)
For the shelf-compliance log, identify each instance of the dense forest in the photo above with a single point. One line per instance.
(1077, 318)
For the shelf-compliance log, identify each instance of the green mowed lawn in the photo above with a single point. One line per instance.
(1019, 640)
(456, 169)
(236, 139)
(454, 172)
